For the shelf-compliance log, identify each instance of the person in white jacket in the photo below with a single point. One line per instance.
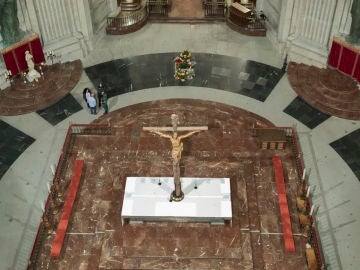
(92, 102)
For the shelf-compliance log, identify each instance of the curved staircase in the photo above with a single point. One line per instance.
(327, 90)
(130, 5)
(30, 97)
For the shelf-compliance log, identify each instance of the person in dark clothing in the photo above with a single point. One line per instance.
(100, 89)
(104, 102)
(86, 90)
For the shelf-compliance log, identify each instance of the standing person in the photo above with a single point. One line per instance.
(100, 89)
(92, 103)
(104, 102)
(86, 93)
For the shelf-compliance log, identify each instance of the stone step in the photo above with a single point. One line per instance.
(130, 5)
(176, 263)
(164, 19)
(327, 90)
(168, 250)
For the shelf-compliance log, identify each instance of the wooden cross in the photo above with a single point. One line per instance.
(177, 147)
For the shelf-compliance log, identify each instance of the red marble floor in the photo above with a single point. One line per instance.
(96, 238)
(327, 90)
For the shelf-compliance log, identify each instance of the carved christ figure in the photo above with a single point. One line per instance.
(176, 150)
(177, 145)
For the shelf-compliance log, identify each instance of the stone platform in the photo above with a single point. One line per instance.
(96, 237)
(148, 199)
(58, 81)
(327, 90)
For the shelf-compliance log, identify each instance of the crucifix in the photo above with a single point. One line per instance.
(177, 146)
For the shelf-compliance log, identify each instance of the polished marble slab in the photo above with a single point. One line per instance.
(61, 110)
(305, 113)
(249, 78)
(348, 147)
(13, 143)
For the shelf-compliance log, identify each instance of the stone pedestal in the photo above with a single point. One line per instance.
(32, 75)
(130, 5)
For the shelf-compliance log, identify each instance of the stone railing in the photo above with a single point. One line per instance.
(214, 8)
(127, 23)
(59, 185)
(158, 7)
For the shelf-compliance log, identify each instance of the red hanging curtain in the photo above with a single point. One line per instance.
(14, 56)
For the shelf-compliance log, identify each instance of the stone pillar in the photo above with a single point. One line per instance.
(113, 8)
(344, 19)
(316, 21)
(64, 26)
(311, 31)
(130, 5)
(272, 11)
(85, 30)
(304, 29)
(286, 14)
(34, 24)
(53, 19)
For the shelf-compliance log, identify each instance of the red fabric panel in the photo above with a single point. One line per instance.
(357, 70)
(14, 56)
(347, 61)
(10, 62)
(37, 51)
(66, 213)
(334, 54)
(20, 56)
(283, 205)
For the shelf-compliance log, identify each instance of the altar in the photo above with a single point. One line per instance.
(148, 199)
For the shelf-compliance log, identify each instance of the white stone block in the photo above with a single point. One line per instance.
(205, 200)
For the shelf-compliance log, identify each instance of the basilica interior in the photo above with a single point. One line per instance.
(276, 83)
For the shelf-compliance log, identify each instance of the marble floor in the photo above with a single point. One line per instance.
(326, 141)
(98, 238)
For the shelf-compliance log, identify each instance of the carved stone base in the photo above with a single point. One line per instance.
(130, 5)
(175, 198)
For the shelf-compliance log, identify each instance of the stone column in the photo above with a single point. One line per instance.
(112, 6)
(34, 24)
(286, 14)
(64, 26)
(343, 20)
(53, 19)
(311, 31)
(316, 20)
(85, 23)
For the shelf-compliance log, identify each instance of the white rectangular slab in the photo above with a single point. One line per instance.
(148, 199)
